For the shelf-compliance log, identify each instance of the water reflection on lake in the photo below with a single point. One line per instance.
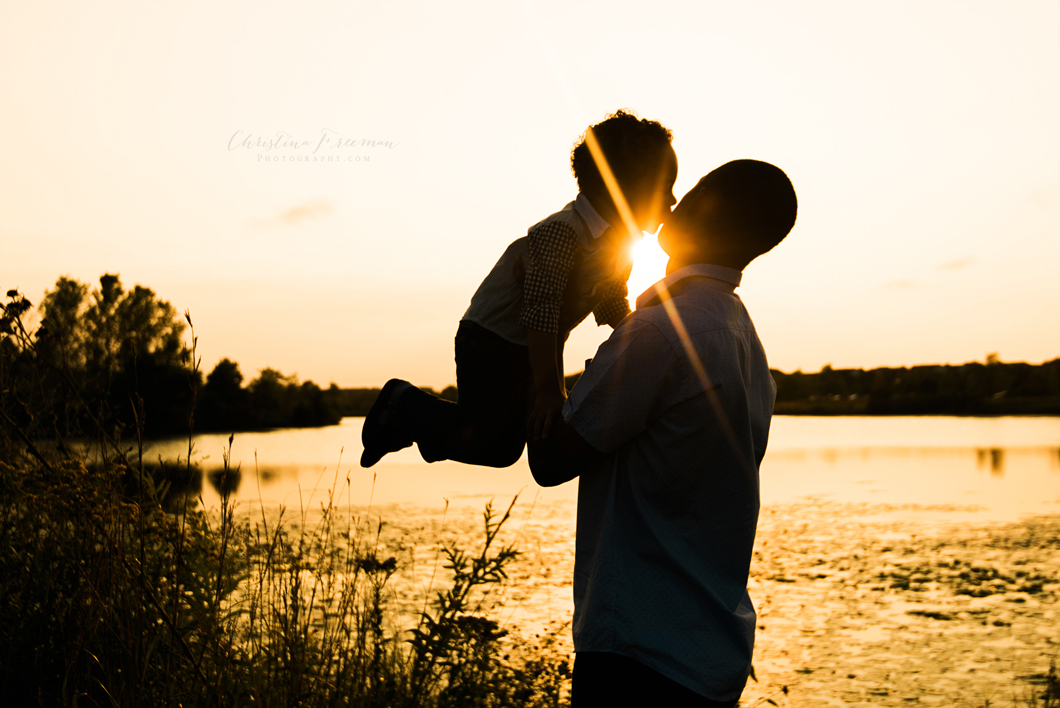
(986, 469)
(868, 531)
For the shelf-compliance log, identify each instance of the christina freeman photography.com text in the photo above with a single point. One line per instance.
(328, 146)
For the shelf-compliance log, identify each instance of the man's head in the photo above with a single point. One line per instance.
(643, 163)
(733, 215)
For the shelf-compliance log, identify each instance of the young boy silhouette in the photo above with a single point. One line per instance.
(509, 345)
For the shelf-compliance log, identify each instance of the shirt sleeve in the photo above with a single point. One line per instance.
(625, 387)
(614, 305)
(551, 253)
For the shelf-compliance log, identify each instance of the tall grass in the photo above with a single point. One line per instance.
(117, 588)
(108, 601)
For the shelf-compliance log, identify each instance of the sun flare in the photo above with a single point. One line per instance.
(649, 266)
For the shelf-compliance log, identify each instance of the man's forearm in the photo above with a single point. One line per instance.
(562, 456)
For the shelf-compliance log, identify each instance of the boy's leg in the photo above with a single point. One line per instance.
(381, 432)
(488, 425)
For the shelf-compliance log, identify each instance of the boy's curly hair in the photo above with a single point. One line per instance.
(628, 143)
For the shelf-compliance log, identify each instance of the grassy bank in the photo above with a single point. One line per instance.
(118, 589)
(109, 600)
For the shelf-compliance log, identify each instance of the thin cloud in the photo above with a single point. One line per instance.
(1043, 199)
(306, 212)
(300, 214)
(959, 264)
(901, 284)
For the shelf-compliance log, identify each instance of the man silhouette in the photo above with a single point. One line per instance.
(666, 430)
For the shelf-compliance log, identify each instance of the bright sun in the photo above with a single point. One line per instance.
(649, 266)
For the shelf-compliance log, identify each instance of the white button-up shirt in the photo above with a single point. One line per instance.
(680, 396)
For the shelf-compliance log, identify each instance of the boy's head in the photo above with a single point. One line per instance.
(642, 161)
(733, 215)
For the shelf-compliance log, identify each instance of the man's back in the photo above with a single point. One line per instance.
(681, 396)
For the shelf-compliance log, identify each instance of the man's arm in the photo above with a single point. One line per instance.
(615, 400)
(561, 456)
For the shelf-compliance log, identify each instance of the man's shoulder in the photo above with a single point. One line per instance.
(709, 322)
(641, 323)
(692, 314)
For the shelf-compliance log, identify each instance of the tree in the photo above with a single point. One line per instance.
(122, 349)
(269, 396)
(224, 403)
(148, 327)
(61, 312)
(101, 330)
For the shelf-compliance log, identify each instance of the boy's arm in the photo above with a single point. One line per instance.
(551, 253)
(614, 307)
(549, 392)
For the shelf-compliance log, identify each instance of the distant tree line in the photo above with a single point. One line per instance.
(114, 361)
(108, 359)
(358, 401)
(990, 388)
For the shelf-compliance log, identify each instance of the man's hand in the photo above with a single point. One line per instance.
(548, 406)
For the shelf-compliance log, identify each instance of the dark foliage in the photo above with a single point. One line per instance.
(118, 356)
(358, 401)
(118, 589)
(106, 600)
(272, 400)
(993, 388)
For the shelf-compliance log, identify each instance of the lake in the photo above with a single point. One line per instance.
(898, 559)
(988, 469)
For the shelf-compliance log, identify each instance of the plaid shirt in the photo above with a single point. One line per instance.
(568, 265)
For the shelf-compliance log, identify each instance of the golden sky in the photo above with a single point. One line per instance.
(921, 137)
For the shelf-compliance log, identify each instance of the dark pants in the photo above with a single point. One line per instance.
(488, 426)
(616, 681)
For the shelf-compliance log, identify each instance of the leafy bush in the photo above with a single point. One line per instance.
(109, 600)
(118, 589)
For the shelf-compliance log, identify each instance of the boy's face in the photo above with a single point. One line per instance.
(651, 198)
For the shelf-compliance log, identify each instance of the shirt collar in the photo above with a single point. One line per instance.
(661, 290)
(596, 223)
